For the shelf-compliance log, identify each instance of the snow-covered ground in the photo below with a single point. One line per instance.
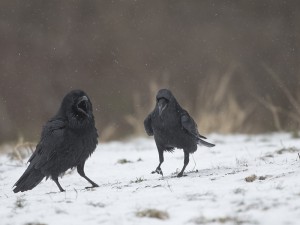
(213, 192)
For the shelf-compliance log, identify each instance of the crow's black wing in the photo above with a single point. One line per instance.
(148, 125)
(51, 142)
(190, 126)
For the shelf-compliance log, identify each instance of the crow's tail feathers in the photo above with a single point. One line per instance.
(201, 142)
(200, 136)
(30, 179)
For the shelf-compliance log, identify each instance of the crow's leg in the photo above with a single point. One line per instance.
(55, 179)
(80, 170)
(161, 160)
(186, 162)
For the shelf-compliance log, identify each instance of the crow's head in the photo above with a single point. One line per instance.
(77, 107)
(163, 98)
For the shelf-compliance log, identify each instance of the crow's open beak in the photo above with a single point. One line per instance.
(82, 105)
(162, 105)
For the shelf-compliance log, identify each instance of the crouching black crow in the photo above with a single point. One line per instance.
(67, 140)
(172, 127)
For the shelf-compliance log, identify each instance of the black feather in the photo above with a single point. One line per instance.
(148, 126)
(173, 127)
(67, 140)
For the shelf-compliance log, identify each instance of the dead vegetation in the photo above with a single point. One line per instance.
(263, 177)
(281, 151)
(96, 204)
(292, 113)
(287, 150)
(138, 180)
(21, 150)
(251, 178)
(20, 203)
(217, 106)
(255, 177)
(124, 65)
(221, 220)
(153, 213)
(123, 161)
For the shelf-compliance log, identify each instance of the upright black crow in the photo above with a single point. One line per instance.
(172, 127)
(67, 140)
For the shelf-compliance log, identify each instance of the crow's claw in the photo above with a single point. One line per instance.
(158, 171)
(180, 175)
(94, 186)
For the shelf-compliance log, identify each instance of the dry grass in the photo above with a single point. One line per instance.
(218, 109)
(220, 220)
(274, 110)
(20, 203)
(263, 177)
(138, 180)
(123, 161)
(153, 213)
(251, 178)
(287, 150)
(22, 150)
(293, 112)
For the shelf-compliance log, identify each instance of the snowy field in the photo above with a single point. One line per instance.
(215, 190)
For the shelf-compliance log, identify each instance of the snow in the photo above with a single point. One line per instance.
(213, 192)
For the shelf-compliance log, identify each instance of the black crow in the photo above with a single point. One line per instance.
(172, 127)
(67, 140)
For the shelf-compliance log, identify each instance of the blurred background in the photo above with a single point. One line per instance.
(234, 65)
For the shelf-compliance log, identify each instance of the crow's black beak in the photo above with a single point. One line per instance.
(83, 98)
(162, 105)
(82, 105)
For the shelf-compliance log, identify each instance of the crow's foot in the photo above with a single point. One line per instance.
(94, 186)
(180, 174)
(158, 170)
